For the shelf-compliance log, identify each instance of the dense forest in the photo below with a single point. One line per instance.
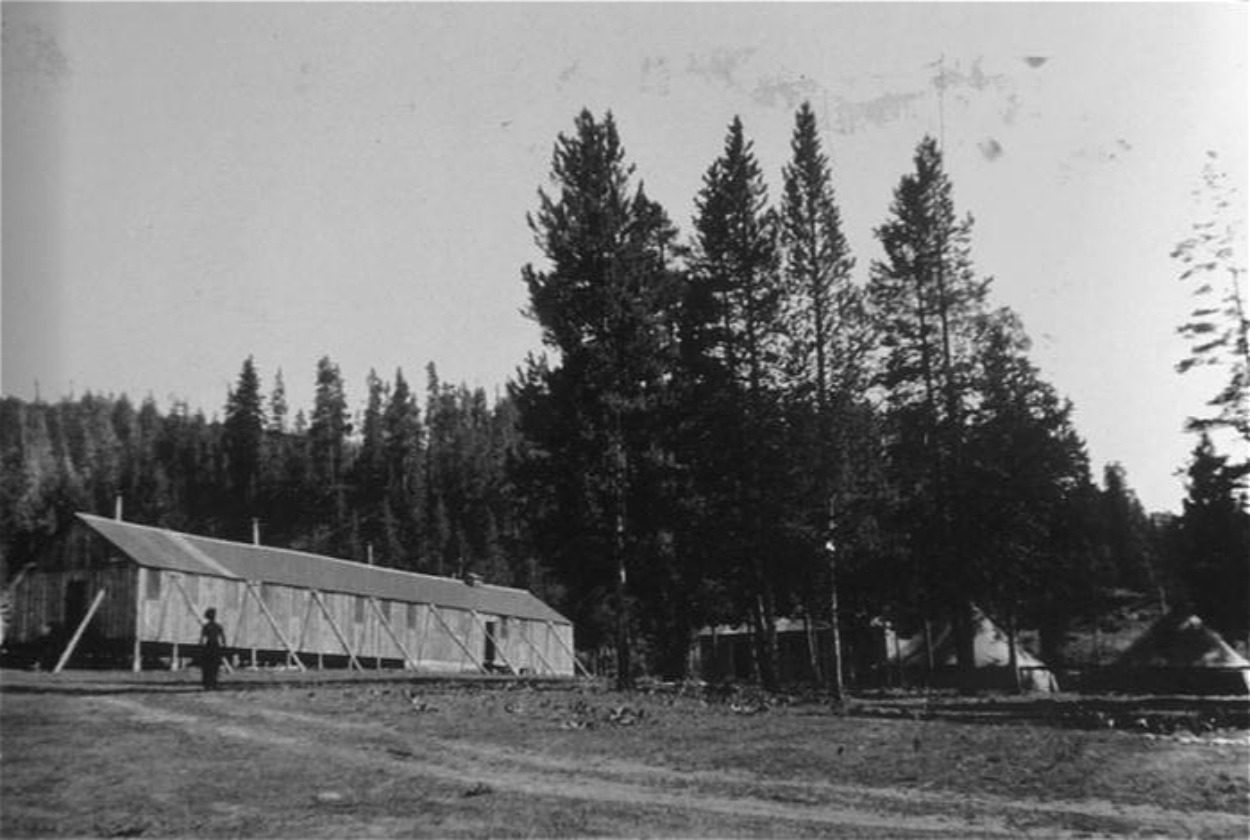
(739, 424)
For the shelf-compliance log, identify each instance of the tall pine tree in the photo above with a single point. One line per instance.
(604, 304)
(734, 266)
(927, 299)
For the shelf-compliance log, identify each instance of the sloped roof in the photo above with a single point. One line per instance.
(1180, 640)
(160, 548)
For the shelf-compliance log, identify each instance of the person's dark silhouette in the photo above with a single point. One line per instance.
(212, 640)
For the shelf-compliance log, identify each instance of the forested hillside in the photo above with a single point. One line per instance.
(742, 424)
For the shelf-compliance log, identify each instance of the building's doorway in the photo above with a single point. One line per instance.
(75, 603)
(489, 658)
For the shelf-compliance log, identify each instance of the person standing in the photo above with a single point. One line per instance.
(212, 641)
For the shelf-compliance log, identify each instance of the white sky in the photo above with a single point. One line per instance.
(185, 185)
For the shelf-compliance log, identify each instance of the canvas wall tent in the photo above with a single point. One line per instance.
(991, 657)
(279, 605)
(1179, 654)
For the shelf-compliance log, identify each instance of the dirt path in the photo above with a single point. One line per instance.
(398, 755)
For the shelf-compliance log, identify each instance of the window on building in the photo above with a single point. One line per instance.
(360, 609)
(153, 585)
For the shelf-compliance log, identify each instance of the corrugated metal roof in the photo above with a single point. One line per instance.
(159, 548)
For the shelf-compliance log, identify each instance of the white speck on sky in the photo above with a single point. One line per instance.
(188, 184)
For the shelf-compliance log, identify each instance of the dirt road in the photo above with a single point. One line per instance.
(396, 760)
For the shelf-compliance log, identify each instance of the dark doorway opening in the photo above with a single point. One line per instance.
(489, 658)
(75, 603)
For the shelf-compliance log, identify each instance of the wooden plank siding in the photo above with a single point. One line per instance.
(40, 602)
(154, 604)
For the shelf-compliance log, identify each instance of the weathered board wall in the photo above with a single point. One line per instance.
(58, 600)
(168, 607)
(274, 617)
(156, 606)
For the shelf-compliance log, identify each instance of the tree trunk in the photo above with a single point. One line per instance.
(624, 664)
(965, 650)
(835, 632)
(1013, 660)
(813, 653)
(766, 641)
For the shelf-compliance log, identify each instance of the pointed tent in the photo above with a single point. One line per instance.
(991, 657)
(1179, 654)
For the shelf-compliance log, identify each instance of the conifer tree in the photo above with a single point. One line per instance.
(402, 442)
(734, 265)
(242, 433)
(278, 408)
(927, 298)
(829, 341)
(604, 304)
(328, 429)
(1215, 539)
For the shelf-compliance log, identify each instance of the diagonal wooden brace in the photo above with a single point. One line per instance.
(351, 654)
(577, 665)
(82, 626)
(498, 649)
(195, 613)
(273, 622)
(386, 625)
(525, 637)
(455, 637)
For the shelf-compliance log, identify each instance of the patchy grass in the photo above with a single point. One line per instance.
(401, 757)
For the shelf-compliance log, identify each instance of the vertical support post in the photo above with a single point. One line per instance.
(136, 657)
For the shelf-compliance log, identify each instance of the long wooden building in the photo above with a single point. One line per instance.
(145, 591)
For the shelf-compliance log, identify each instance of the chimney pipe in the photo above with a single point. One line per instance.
(117, 508)
(255, 531)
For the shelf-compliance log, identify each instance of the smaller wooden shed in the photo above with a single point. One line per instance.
(146, 590)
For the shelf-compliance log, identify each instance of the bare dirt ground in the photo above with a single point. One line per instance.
(152, 755)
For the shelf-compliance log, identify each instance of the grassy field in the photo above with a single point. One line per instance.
(151, 755)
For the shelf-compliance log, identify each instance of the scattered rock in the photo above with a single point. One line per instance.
(331, 797)
(479, 789)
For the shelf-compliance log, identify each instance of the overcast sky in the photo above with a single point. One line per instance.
(188, 184)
